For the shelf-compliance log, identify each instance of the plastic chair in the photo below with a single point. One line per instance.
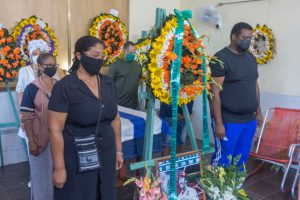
(294, 161)
(278, 139)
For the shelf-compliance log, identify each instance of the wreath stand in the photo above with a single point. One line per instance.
(16, 123)
(148, 138)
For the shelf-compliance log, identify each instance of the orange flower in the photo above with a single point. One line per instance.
(1, 33)
(8, 66)
(170, 55)
(4, 51)
(3, 62)
(14, 74)
(36, 27)
(18, 57)
(194, 66)
(17, 51)
(199, 61)
(166, 76)
(1, 72)
(1, 79)
(11, 56)
(15, 64)
(9, 39)
(2, 41)
(7, 48)
(8, 75)
(186, 61)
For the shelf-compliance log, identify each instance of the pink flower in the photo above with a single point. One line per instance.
(142, 194)
(139, 183)
(156, 190)
(151, 195)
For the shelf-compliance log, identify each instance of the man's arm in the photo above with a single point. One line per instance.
(112, 72)
(215, 107)
(258, 110)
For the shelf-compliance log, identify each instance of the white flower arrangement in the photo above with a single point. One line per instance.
(221, 183)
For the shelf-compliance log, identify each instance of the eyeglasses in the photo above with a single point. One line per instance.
(50, 65)
(95, 55)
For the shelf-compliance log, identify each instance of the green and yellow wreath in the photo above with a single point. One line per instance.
(143, 47)
(191, 73)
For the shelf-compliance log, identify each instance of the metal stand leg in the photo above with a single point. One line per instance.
(1, 152)
(148, 138)
(25, 148)
(189, 126)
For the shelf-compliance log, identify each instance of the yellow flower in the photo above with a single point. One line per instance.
(23, 63)
(32, 20)
(147, 183)
(222, 172)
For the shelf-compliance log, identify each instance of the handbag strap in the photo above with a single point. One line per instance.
(100, 105)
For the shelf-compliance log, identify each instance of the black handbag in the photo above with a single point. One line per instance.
(87, 150)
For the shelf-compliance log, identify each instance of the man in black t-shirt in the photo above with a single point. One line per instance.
(235, 109)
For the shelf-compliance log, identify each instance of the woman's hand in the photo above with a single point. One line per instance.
(59, 178)
(119, 161)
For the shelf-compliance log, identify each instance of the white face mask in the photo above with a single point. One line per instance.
(34, 59)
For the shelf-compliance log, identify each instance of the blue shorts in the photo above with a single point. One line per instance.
(239, 142)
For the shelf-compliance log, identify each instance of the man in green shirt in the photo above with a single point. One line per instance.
(126, 74)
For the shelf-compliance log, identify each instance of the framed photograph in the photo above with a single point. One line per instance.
(188, 172)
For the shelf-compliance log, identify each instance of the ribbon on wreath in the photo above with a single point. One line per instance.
(175, 86)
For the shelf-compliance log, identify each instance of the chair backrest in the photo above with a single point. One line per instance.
(280, 132)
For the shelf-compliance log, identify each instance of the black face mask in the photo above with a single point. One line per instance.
(244, 44)
(91, 65)
(50, 71)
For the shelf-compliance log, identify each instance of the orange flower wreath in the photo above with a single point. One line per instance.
(10, 56)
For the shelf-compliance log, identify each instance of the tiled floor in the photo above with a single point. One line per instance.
(263, 185)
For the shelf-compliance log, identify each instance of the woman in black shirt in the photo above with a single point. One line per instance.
(77, 102)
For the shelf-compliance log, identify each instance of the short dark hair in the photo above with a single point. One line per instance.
(127, 44)
(43, 56)
(236, 29)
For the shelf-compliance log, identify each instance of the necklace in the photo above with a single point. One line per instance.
(87, 80)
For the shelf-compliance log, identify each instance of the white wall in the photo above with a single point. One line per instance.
(278, 79)
(281, 74)
(142, 14)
